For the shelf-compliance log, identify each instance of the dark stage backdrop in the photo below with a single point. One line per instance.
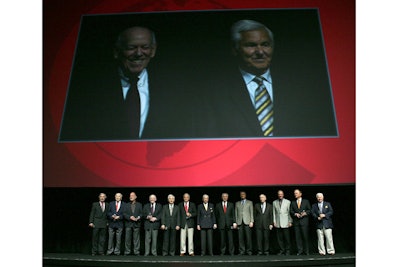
(66, 213)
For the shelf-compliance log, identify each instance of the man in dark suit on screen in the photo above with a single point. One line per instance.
(250, 99)
(124, 99)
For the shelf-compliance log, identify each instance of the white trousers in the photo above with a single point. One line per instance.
(322, 235)
(187, 233)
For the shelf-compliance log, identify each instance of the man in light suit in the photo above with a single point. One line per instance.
(152, 216)
(170, 220)
(245, 220)
(282, 222)
(322, 212)
(300, 210)
(263, 223)
(132, 215)
(206, 222)
(226, 221)
(188, 213)
(98, 221)
(116, 224)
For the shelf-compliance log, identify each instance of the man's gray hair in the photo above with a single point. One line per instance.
(247, 25)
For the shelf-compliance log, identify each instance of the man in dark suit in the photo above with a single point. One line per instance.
(300, 210)
(248, 99)
(132, 215)
(188, 213)
(322, 212)
(170, 220)
(206, 222)
(152, 215)
(124, 99)
(115, 225)
(225, 215)
(98, 221)
(263, 222)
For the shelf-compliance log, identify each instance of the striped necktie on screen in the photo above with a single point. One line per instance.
(263, 105)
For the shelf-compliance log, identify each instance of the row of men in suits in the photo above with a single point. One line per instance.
(206, 217)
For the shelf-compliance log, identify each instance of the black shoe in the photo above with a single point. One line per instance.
(280, 253)
(307, 253)
(266, 253)
(93, 254)
(287, 253)
(299, 253)
(259, 254)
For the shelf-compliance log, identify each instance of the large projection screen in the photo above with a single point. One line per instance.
(314, 51)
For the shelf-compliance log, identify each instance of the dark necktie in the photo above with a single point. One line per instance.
(263, 105)
(132, 108)
(152, 208)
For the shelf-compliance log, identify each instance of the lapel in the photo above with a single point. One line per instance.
(241, 99)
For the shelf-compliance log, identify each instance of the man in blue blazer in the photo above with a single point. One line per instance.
(115, 224)
(322, 212)
(206, 222)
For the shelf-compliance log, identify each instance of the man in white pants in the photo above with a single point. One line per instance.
(322, 212)
(188, 212)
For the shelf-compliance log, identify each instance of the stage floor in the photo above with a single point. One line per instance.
(65, 259)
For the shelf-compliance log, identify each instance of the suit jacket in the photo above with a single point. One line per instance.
(302, 106)
(137, 213)
(327, 210)
(190, 221)
(97, 216)
(263, 220)
(119, 223)
(244, 212)
(225, 219)
(206, 218)
(304, 206)
(148, 225)
(170, 221)
(94, 107)
(281, 213)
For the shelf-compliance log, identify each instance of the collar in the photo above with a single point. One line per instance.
(248, 77)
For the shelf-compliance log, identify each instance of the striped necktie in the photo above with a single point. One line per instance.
(263, 105)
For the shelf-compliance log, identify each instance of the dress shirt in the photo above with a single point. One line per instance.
(320, 204)
(143, 88)
(252, 85)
